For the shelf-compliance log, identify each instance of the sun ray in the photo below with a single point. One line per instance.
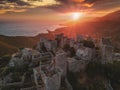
(76, 15)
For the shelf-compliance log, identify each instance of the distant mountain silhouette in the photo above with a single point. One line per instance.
(115, 16)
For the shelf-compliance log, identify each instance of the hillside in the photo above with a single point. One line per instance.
(9, 45)
(6, 48)
(112, 16)
(107, 26)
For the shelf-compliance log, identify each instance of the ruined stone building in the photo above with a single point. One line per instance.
(106, 50)
(79, 38)
(51, 78)
(84, 53)
(47, 77)
(47, 45)
(116, 57)
(61, 61)
(75, 65)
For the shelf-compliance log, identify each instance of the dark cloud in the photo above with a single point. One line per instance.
(78, 1)
(68, 5)
(63, 1)
(78, 5)
(2, 2)
(19, 2)
(13, 6)
(72, 5)
(91, 1)
(12, 0)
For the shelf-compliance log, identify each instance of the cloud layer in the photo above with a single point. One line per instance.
(58, 5)
(78, 5)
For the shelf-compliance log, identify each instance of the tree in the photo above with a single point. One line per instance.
(89, 44)
(95, 68)
(72, 52)
(97, 85)
(43, 47)
(66, 47)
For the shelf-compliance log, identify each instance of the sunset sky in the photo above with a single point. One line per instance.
(54, 10)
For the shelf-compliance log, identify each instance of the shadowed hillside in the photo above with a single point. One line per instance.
(6, 48)
(11, 44)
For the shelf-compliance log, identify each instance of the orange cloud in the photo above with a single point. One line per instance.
(3, 11)
(88, 5)
(79, 0)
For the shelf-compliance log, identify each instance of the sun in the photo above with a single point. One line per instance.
(76, 15)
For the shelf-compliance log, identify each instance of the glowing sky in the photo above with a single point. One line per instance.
(54, 10)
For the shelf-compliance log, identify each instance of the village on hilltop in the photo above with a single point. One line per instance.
(47, 65)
